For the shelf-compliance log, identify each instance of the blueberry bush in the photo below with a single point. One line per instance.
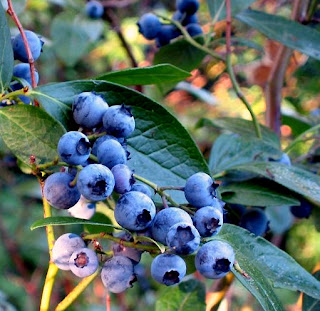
(159, 156)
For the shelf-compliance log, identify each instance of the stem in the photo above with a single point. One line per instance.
(110, 237)
(76, 292)
(95, 136)
(10, 95)
(171, 188)
(189, 39)
(93, 158)
(48, 286)
(231, 72)
(238, 269)
(16, 20)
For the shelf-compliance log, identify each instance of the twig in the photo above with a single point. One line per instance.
(48, 286)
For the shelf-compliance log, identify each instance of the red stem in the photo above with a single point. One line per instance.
(108, 300)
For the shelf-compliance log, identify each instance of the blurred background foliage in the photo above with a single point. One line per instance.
(77, 48)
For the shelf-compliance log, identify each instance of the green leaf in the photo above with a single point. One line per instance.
(291, 177)
(237, 41)
(142, 238)
(63, 221)
(70, 40)
(236, 7)
(257, 193)
(162, 73)
(161, 148)
(245, 128)
(230, 150)
(187, 296)
(99, 218)
(28, 130)
(290, 33)
(280, 218)
(309, 303)
(267, 265)
(6, 53)
(297, 124)
(180, 54)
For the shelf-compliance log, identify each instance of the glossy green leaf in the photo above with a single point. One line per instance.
(290, 33)
(70, 41)
(257, 193)
(142, 238)
(236, 7)
(243, 127)
(291, 177)
(267, 265)
(180, 54)
(29, 130)
(187, 296)
(310, 303)
(161, 148)
(63, 221)
(99, 218)
(162, 73)
(6, 54)
(230, 150)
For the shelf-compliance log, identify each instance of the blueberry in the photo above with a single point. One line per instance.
(208, 220)
(123, 177)
(303, 210)
(165, 219)
(185, 19)
(255, 220)
(59, 193)
(234, 213)
(166, 34)
(214, 259)
(117, 274)
(143, 188)
(94, 9)
(63, 248)
(22, 71)
(149, 26)
(118, 121)
(74, 148)
(183, 238)
(194, 29)
(102, 139)
(83, 262)
(168, 269)
(129, 252)
(134, 211)
(200, 190)
(95, 182)
(19, 49)
(88, 109)
(111, 153)
(83, 209)
(187, 6)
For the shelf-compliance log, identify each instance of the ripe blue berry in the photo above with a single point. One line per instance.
(285, 159)
(123, 177)
(117, 274)
(22, 71)
(200, 190)
(95, 182)
(208, 220)
(303, 210)
(183, 238)
(214, 259)
(166, 34)
(233, 213)
(88, 109)
(63, 248)
(142, 188)
(74, 148)
(83, 209)
(255, 220)
(187, 6)
(194, 30)
(168, 269)
(134, 211)
(83, 262)
(94, 9)
(185, 19)
(149, 26)
(118, 121)
(132, 253)
(111, 153)
(165, 219)
(19, 49)
(102, 139)
(59, 193)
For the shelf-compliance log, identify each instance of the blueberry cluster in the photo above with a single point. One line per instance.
(84, 183)
(151, 27)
